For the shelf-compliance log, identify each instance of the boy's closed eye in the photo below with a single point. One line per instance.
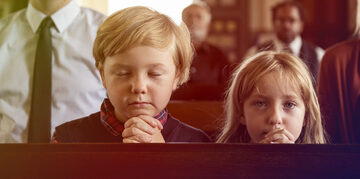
(122, 73)
(155, 73)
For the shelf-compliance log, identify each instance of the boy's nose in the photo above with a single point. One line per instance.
(138, 85)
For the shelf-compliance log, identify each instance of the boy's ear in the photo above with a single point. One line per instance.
(102, 77)
(176, 81)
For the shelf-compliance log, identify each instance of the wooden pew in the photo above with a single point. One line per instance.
(204, 115)
(178, 161)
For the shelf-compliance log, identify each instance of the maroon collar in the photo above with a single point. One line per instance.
(114, 126)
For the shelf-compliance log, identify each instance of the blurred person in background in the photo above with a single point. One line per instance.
(288, 19)
(210, 65)
(64, 32)
(339, 89)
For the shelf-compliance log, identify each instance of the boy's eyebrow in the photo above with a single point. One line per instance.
(118, 66)
(156, 65)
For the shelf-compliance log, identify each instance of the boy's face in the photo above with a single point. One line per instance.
(276, 105)
(139, 81)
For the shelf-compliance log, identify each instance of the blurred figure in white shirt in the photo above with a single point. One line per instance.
(76, 85)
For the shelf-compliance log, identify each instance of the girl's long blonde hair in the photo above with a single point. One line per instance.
(244, 81)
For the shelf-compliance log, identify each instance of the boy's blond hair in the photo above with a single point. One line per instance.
(139, 25)
(244, 81)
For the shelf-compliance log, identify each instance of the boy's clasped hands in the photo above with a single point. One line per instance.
(142, 129)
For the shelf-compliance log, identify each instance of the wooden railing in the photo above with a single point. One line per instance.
(178, 161)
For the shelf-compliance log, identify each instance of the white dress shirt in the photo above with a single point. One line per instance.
(295, 47)
(77, 90)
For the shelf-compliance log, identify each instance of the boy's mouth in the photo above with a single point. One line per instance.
(139, 104)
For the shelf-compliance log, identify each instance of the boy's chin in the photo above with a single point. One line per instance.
(140, 113)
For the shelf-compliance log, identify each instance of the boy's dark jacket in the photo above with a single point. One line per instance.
(90, 130)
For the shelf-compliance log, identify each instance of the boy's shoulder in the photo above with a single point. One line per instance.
(177, 131)
(81, 122)
(80, 130)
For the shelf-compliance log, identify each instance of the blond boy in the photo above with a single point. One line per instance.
(142, 57)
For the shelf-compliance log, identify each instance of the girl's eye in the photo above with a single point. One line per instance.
(290, 105)
(259, 104)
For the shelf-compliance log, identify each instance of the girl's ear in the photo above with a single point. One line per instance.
(242, 120)
(305, 121)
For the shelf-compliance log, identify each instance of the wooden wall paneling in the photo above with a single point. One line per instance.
(229, 27)
(326, 21)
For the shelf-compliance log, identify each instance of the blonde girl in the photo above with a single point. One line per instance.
(271, 99)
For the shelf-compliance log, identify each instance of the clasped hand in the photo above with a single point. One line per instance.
(142, 129)
(278, 136)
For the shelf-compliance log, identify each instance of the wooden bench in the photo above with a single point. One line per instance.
(179, 161)
(204, 115)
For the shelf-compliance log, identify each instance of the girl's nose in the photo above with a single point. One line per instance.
(275, 117)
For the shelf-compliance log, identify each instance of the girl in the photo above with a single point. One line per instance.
(272, 100)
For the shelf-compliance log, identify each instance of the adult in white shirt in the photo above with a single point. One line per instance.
(77, 90)
(288, 21)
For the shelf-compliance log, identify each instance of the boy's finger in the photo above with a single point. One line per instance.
(127, 140)
(132, 131)
(141, 138)
(145, 127)
(152, 121)
(141, 124)
(131, 121)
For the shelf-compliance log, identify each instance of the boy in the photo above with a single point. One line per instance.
(142, 57)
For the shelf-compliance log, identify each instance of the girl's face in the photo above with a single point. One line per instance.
(274, 112)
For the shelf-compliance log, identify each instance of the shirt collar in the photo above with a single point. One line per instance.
(295, 45)
(62, 18)
(114, 126)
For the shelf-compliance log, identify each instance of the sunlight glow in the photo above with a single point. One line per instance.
(172, 8)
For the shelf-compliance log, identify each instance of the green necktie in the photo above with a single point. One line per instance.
(40, 114)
